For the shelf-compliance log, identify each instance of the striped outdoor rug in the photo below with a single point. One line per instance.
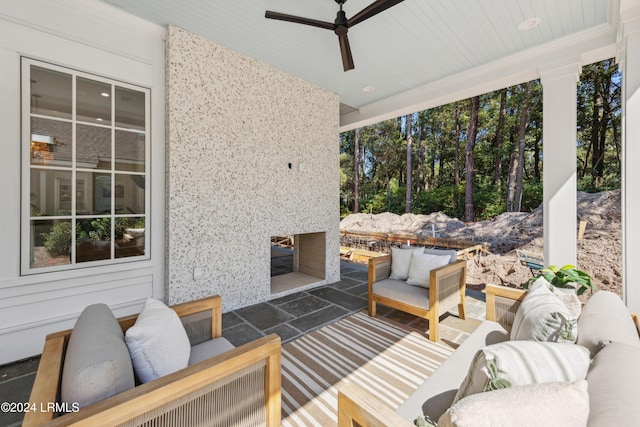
(388, 360)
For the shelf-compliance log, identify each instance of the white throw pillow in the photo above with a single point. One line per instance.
(400, 262)
(421, 266)
(157, 342)
(568, 296)
(552, 404)
(514, 363)
(542, 316)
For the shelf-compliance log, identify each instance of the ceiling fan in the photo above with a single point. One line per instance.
(341, 25)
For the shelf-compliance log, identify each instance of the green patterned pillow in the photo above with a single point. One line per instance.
(514, 363)
(542, 316)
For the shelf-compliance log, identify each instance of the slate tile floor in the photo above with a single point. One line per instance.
(296, 314)
(289, 317)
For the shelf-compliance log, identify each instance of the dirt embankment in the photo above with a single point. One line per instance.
(599, 252)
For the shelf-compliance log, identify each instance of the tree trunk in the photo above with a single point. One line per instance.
(469, 213)
(456, 163)
(421, 176)
(514, 186)
(388, 194)
(585, 166)
(433, 167)
(409, 120)
(536, 159)
(356, 175)
(604, 125)
(497, 173)
(522, 131)
(598, 151)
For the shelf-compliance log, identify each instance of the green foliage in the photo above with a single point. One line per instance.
(599, 127)
(440, 136)
(489, 202)
(609, 182)
(531, 196)
(566, 277)
(344, 211)
(58, 240)
(447, 199)
(391, 201)
(100, 229)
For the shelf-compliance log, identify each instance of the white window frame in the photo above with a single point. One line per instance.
(25, 216)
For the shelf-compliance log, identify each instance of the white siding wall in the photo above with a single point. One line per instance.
(85, 35)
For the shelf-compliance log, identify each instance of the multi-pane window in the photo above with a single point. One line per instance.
(85, 150)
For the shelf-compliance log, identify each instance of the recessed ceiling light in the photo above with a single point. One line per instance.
(100, 119)
(368, 89)
(105, 94)
(529, 24)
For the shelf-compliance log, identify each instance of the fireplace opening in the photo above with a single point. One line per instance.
(297, 261)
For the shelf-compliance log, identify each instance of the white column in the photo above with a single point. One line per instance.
(629, 59)
(559, 113)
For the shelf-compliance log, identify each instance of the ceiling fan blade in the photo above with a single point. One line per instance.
(371, 10)
(299, 20)
(345, 50)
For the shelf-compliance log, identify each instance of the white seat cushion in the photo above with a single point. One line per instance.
(398, 290)
(207, 349)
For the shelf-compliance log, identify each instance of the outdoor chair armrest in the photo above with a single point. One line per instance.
(447, 286)
(46, 384)
(202, 318)
(357, 405)
(379, 268)
(502, 303)
(636, 321)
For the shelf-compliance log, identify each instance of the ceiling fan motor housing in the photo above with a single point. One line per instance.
(341, 23)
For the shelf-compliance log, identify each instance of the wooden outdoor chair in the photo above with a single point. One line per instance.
(446, 291)
(240, 386)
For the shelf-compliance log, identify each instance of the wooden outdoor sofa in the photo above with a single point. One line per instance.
(240, 386)
(446, 291)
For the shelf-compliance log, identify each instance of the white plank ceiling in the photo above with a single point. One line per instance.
(408, 46)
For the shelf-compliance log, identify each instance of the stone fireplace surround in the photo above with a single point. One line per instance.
(252, 152)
